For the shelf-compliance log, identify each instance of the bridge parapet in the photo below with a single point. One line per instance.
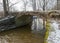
(39, 14)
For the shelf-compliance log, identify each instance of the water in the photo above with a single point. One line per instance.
(37, 26)
(20, 35)
(25, 34)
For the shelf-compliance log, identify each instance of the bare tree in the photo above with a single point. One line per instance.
(12, 4)
(25, 2)
(6, 7)
(34, 4)
(12, 7)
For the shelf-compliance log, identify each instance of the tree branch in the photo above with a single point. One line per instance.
(14, 4)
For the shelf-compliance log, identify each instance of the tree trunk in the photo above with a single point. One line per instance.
(58, 4)
(5, 7)
(8, 6)
(44, 18)
(44, 5)
(34, 5)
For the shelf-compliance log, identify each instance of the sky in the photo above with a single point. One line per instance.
(20, 5)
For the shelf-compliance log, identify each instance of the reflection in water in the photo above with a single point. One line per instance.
(20, 35)
(37, 25)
